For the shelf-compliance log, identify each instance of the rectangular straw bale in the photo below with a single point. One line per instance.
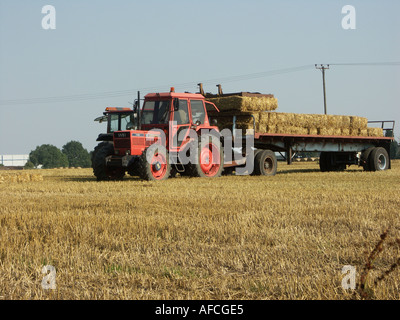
(271, 129)
(375, 132)
(20, 177)
(313, 131)
(354, 132)
(291, 130)
(333, 121)
(345, 121)
(363, 132)
(245, 104)
(329, 131)
(358, 122)
(345, 131)
(263, 117)
(288, 119)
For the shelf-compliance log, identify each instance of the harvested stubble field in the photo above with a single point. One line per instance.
(235, 237)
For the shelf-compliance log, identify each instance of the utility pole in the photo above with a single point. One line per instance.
(323, 68)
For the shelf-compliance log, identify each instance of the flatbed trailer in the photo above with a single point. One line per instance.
(336, 152)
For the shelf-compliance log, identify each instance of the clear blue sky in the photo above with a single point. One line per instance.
(110, 46)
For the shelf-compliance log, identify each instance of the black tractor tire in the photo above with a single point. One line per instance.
(265, 163)
(379, 159)
(201, 167)
(100, 169)
(97, 148)
(154, 164)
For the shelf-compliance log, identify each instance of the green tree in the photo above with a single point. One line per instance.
(394, 149)
(29, 165)
(77, 155)
(48, 156)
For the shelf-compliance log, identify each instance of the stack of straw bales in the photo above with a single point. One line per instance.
(245, 103)
(20, 177)
(246, 106)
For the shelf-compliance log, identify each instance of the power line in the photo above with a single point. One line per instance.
(122, 93)
(396, 63)
(125, 93)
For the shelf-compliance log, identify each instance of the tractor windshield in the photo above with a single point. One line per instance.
(155, 112)
(121, 121)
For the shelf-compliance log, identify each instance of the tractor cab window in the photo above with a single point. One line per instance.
(198, 113)
(181, 114)
(125, 119)
(155, 112)
(114, 122)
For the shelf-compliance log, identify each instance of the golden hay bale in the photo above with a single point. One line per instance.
(36, 177)
(345, 131)
(301, 124)
(335, 121)
(291, 130)
(358, 122)
(20, 177)
(263, 117)
(363, 132)
(245, 104)
(375, 132)
(313, 131)
(329, 131)
(354, 132)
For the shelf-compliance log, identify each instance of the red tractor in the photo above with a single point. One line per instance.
(174, 135)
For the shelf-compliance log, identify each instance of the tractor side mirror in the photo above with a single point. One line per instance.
(176, 104)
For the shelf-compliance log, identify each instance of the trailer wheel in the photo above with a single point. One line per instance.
(265, 163)
(154, 163)
(208, 158)
(100, 168)
(378, 159)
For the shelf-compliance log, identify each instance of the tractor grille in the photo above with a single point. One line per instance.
(122, 143)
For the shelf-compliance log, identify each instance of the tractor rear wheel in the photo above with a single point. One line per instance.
(154, 163)
(100, 168)
(208, 158)
(97, 148)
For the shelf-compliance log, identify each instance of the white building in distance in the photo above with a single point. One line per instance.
(14, 160)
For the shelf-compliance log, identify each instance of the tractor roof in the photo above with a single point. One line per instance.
(169, 95)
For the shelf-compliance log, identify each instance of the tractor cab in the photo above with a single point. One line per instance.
(175, 113)
(117, 119)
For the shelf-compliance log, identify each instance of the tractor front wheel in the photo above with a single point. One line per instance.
(154, 163)
(100, 168)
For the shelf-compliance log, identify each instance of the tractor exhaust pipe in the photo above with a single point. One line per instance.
(138, 112)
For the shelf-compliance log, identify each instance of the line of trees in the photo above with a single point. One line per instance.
(47, 156)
